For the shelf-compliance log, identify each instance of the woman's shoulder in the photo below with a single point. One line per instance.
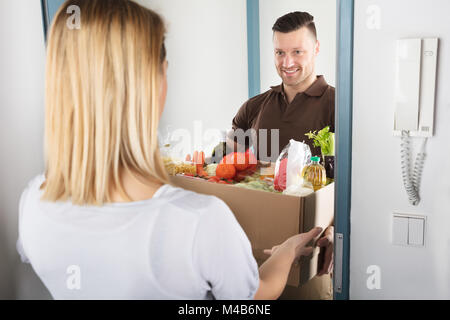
(30, 195)
(36, 182)
(33, 186)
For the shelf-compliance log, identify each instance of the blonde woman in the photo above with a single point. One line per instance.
(103, 222)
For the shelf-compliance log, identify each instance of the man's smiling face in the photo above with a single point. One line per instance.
(295, 55)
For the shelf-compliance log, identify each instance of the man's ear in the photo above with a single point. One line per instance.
(317, 48)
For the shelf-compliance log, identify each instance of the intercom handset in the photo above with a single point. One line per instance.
(414, 104)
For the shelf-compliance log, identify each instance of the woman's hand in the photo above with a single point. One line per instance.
(273, 273)
(297, 244)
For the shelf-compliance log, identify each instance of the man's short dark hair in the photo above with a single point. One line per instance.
(294, 21)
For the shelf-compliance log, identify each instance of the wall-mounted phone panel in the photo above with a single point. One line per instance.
(415, 84)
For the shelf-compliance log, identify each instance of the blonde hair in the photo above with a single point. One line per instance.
(102, 100)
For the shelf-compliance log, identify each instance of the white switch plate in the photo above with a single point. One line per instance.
(408, 230)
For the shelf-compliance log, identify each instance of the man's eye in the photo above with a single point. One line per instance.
(279, 53)
(298, 51)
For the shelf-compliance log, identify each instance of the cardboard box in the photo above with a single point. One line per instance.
(269, 219)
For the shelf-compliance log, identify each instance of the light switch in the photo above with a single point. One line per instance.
(415, 231)
(400, 230)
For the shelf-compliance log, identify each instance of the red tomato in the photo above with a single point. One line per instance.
(238, 159)
(226, 171)
(241, 161)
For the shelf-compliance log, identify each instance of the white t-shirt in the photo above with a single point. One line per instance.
(176, 245)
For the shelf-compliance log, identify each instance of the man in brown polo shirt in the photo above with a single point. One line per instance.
(303, 102)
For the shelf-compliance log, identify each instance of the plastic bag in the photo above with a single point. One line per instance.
(290, 163)
(298, 190)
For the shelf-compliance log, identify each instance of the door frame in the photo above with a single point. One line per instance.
(343, 159)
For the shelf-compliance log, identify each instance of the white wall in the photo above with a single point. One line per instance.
(377, 190)
(22, 58)
(324, 13)
(207, 53)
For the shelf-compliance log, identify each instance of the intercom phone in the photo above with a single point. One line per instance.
(415, 83)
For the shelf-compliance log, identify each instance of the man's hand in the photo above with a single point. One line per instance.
(326, 251)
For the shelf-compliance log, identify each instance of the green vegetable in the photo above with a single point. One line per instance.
(323, 139)
(211, 169)
(256, 184)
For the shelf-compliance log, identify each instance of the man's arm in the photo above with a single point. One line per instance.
(240, 120)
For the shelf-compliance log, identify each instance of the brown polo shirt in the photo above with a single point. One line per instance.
(310, 110)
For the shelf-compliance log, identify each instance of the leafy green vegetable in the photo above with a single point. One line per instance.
(255, 183)
(323, 139)
(211, 169)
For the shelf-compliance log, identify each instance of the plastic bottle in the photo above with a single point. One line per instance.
(314, 175)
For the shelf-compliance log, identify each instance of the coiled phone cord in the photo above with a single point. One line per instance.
(412, 184)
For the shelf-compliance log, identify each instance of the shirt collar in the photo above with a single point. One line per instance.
(315, 90)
